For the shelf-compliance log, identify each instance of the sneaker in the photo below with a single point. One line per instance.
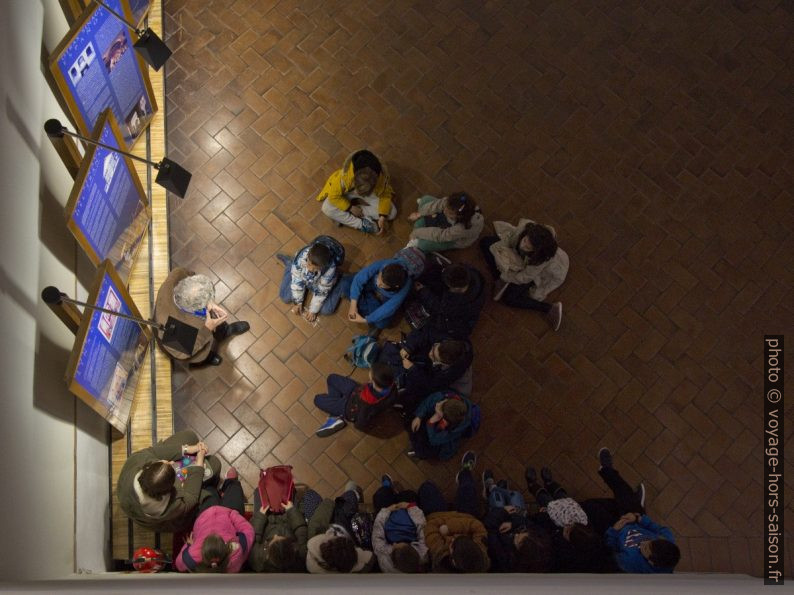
(411, 453)
(331, 426)
(284, 259)
(487, 483)
(554, 316)
(352, 486)
(531, 476)
(469, 460)
(231, 473)
(502, 483)
(545, 475)
(386, 481)
(369, 226)
(640, 491)
(499, 289)
(605, 458)
(237, 328)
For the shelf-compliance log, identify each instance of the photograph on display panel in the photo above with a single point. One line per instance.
(107, 210)
(97, 68)
(108, 352)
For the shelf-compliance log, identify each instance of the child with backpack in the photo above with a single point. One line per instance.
(314, 267)
(347, 400)
(441, 421)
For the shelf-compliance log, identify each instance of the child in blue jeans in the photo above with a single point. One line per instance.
(498, 494)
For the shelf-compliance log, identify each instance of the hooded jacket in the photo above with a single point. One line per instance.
(178, 512)
(230, 525)
(453, 315)
(458, 524)
(314, 559)
(266, 526)
(365, 282)
(446, 440)
(383, 549)
(545, 277)
(456, 232)
(626, 545)
(341, 182)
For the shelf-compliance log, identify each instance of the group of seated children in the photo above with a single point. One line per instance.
(407, 531)
(428, 374)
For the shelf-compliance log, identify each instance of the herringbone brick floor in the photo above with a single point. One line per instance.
(653, 136)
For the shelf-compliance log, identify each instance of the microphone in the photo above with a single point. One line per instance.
(53, 128)
(51, 295)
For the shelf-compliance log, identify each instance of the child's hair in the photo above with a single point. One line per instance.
(454, 411)
(451, 351)
(364, 158)
(157, 479)
(394, 276)
(585, 541)
(466, 555)
(405, 558)
(382, 375)
(456, 276)
(283, 555)
(534, 554)
(319, 255)
(339, 553)
(664, 553)
(464, 206)
(544, 246)
(215, 554)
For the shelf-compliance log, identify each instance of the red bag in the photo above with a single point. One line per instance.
(276, 486)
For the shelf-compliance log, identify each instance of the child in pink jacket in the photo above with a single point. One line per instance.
(221, 539)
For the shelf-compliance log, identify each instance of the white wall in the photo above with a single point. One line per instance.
(54, 448)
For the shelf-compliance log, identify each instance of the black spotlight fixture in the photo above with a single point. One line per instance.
(170, 175)
(149, 45)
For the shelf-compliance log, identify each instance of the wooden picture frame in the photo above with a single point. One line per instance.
(83, 71)
(87, 197)
(122, 381)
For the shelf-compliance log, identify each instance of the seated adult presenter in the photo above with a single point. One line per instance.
(190, 299)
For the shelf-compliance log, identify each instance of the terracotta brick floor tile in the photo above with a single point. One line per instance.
(652, 188)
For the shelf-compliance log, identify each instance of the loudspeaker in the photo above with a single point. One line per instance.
(152, 49)
(173, 177)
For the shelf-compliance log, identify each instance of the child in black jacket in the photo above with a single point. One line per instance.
(349, 401)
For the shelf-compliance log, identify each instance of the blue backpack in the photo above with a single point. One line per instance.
(363, 351)
(476, 420)
(336, 248)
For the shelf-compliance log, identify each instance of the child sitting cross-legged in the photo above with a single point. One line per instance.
(349, 401)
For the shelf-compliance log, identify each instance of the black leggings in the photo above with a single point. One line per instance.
(232, 497)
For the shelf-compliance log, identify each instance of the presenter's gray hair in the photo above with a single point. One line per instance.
(194, 292)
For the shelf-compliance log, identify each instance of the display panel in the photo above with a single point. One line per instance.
(107, 209)
(107, 355)
(96, 68)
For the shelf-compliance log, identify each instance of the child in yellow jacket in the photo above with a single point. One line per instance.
(359, 194)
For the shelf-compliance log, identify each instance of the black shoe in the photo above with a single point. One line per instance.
(213, 359)
(237, 328)
(531, 476)
(605, 458)
(545, 475)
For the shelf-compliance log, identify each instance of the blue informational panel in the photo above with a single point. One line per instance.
(97, 68)
(108, 352)
(107, 209)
